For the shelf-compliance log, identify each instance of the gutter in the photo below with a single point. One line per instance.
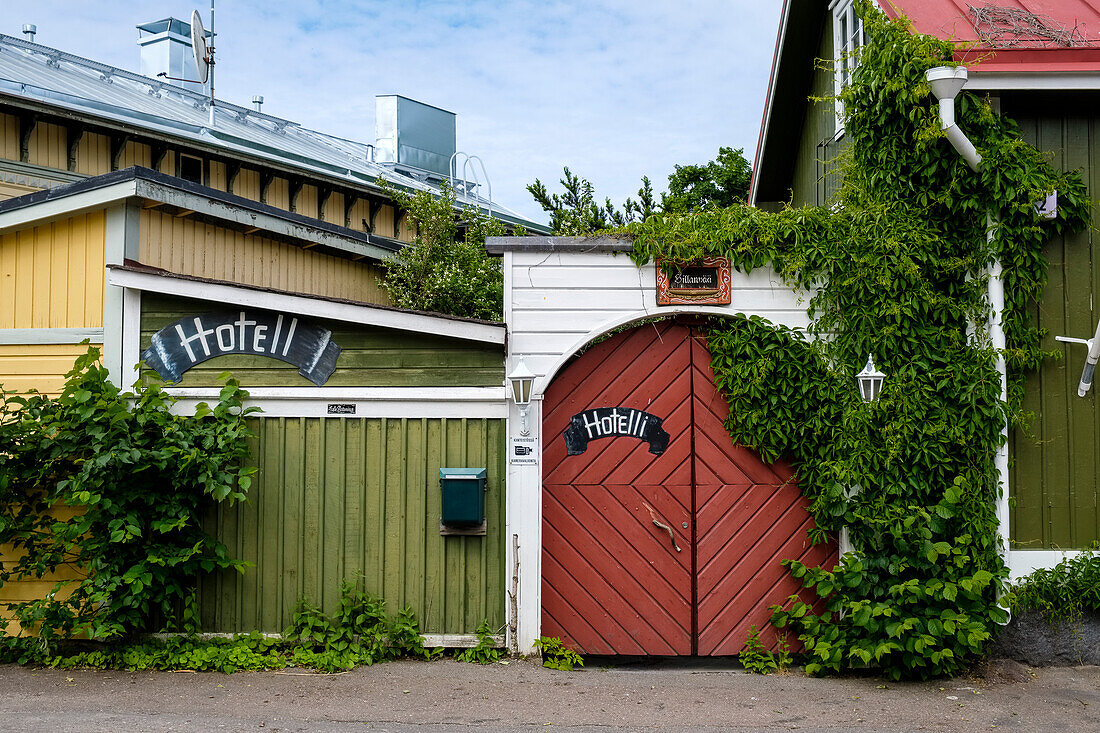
(946, 82)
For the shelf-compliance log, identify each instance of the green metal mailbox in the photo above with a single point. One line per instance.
(463, 498)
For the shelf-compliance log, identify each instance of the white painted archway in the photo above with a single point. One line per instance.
(559, 294)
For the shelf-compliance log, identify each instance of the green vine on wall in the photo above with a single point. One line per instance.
(103, 495)
(897, 268)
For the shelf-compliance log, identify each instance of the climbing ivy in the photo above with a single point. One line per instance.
(897, 267)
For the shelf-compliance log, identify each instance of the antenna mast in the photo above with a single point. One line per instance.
(211, 63)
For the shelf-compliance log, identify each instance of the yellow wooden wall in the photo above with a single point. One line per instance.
(24, 367)
(11, 190)
(9, 137)
(193, 248)
(48, 147)
(27, 590)
(51, 276)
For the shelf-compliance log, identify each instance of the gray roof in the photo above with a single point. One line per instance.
(88, 88)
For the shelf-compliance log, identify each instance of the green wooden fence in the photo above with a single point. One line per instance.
(358, 499)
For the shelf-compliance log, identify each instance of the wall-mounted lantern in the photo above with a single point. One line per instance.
(521, 380)
(870, 381)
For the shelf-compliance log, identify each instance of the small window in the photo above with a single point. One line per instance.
(190, 168)
(847, 37)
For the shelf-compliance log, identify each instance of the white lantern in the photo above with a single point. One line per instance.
(521, 380)
(870, 381)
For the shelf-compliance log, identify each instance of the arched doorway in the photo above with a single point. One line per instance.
(659, 536)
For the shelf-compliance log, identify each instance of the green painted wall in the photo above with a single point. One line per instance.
(1055, 472)
(370, 356)
(359, 499)
(813, 183)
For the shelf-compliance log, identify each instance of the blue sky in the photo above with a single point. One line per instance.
(613, 89)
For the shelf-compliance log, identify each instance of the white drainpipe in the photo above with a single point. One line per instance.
(946, 82)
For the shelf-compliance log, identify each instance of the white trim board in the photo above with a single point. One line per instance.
(21, 336)
(307, 306)
(368, 402)
(1024, 562)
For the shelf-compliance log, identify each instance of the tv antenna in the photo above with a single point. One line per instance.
(204, 55)
(1093, 345)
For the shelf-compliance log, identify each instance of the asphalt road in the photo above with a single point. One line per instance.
(451, 697)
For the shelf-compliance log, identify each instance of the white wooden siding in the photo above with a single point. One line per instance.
(558, 301)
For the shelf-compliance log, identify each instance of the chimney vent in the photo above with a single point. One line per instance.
(166, 49)
(258, 100)
(29, 29)
(413, 135)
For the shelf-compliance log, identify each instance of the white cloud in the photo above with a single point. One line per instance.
(613, 89)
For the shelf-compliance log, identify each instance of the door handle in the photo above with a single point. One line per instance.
(671, 536)
(662, 525)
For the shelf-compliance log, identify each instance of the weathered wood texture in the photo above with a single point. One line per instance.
(194, 248)
(1056, 461)
(677, 553)
(359, 499)
(369, 356)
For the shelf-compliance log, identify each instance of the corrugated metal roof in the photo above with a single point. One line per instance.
(47, 75)
(1018, 36)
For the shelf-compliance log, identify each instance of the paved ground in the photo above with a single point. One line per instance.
(448, 697)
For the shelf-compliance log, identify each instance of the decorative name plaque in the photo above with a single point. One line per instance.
(706, 282)
(192, 340)
(608, 422)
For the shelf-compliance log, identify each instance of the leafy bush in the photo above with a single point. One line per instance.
(140, 480)
(556, 655)
(444, 270)
(360, 633)
(1062, 593)
(755, 658)
(897, 267)
(486, 651)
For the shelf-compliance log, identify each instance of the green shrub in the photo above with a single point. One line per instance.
(1062, 593)
(556, 655)
(486, 651)
(140, 479)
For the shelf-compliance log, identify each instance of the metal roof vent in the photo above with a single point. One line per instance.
(412, 135)
(258, 100)
(29, 29)
(166, 49)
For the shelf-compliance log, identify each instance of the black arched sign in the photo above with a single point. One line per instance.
(607, 422)
(192, 340)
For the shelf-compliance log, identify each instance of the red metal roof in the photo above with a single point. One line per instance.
(1014, 47)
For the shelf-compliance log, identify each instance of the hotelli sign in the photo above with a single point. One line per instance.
(607, 422)
(192, 340)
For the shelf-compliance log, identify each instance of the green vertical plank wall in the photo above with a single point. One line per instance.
(814, 181)
(358, 499)
(1055, 470)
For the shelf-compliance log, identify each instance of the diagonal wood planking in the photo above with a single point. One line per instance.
(613, 582)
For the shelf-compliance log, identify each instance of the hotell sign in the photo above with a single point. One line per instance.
(611, 422)
(192, 340)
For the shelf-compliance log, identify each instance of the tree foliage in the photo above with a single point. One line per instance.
(722, 182)
(445, 269)
(575, 211)
(112, 487)
(897, 267)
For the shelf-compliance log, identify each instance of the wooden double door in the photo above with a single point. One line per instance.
(660, 536)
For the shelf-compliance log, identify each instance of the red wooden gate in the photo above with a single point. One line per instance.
(673, 553)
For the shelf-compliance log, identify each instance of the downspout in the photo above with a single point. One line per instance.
(946, 82)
